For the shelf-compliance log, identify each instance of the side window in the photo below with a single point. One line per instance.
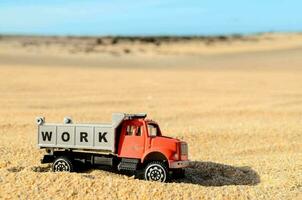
(130, 130)
(139, 131)
(152, 130)
(134, 130)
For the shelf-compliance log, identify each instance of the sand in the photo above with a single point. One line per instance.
(237, 102)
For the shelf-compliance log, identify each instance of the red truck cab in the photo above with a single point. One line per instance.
(142, 139)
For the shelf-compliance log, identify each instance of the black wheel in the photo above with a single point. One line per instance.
(156, 171)
(178, 173)
(62, 164)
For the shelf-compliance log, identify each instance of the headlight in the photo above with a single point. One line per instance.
(183, 148)
(175, 156)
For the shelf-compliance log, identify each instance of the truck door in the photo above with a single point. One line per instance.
(132, 141)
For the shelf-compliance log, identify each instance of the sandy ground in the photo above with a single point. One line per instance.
(238, 104)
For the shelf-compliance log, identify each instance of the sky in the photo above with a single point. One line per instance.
(149, 17)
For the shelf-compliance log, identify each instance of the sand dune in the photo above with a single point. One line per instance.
(236, 101)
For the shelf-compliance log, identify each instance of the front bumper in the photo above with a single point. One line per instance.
(179, 164)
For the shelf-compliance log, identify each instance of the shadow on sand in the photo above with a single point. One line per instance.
(216, 174)
(200, 173)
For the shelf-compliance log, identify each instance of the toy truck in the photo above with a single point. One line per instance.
(129, 142)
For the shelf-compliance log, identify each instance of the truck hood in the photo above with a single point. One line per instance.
(167, 142)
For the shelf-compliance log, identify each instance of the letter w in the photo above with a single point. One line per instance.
(46, 135)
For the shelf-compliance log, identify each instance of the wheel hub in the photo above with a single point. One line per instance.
(61, 166)
(155, 173)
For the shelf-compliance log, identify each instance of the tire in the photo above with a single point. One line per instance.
(62, 164)
(156, 171)
(178, 173)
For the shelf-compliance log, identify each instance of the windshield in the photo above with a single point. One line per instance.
(153, 130)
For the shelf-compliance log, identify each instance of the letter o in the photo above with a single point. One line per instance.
(65, 136)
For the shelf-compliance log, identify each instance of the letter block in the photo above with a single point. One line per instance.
(65, 135)
(47, 135)
(84, 136)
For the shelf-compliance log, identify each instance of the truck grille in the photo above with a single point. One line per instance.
(184, 148)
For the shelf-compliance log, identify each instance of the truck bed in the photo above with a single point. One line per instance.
(94, 137)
